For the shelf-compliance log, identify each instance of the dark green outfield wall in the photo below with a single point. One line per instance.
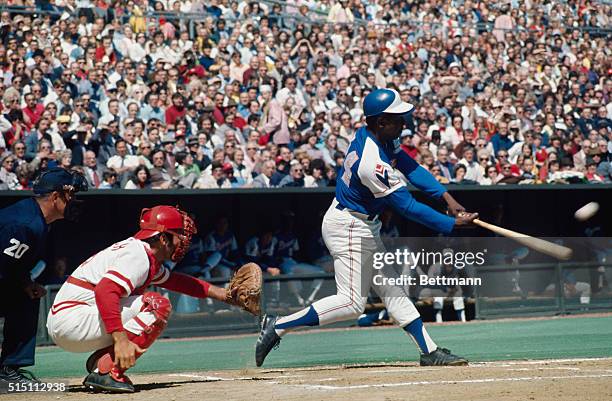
(109, 216)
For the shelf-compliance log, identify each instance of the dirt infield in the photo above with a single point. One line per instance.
(561, 379)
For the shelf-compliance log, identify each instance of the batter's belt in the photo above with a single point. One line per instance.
(362, 216)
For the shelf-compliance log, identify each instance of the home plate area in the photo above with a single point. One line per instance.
(560, 379)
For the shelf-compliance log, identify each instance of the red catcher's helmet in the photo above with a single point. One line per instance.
(167, 219)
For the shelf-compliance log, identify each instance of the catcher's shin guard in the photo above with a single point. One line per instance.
(152, 302)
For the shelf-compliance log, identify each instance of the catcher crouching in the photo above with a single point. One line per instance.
(105, 307)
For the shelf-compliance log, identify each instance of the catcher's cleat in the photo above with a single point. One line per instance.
(442, 357)
(267, 340)
(112, 382)
(92, 361)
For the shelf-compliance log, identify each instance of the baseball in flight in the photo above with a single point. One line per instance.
(587, 211)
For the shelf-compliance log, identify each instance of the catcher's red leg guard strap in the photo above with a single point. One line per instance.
(152, 302)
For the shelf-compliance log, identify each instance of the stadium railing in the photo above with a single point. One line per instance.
(541, 290)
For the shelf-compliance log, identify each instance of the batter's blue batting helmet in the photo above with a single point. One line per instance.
(385, 101)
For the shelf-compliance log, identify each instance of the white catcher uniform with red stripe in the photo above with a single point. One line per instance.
(106, 300)
(74, 321)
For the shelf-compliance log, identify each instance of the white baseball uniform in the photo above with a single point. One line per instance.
(74, 321)
(367, 184)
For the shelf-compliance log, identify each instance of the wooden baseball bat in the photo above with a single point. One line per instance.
(538, 244)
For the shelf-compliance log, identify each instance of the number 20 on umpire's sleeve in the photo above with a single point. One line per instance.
(17, 249)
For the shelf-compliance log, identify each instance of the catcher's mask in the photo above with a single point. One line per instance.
(167, 219)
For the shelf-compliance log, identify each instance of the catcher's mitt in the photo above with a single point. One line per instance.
(244, 288)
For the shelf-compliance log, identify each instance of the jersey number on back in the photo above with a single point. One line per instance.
(17, 249)
(350, 160)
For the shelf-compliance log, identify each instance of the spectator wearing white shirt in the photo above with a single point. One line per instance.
(448, 134)
(251, 156)
(123, 163)
(421, 80)
(215, 180)
(263, 179)
(470, 111)
(290, 90)
(473, 170)
(341, 13)
(130, 48)
(241, 172)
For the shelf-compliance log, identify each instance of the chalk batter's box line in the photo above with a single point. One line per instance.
(513, 366)
(442, 382)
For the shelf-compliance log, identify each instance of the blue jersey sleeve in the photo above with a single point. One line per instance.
(418, 176)
(404, 203)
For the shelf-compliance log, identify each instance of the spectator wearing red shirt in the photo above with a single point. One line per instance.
(106, 49)
(252, 70)
(218, 110)
(231, 109)
(191, 68)
(408, 144)
(33, 111)
(502, 159)
(405, 46)
(14, 116)
(176, 111)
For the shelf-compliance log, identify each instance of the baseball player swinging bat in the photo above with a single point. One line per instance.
(546, 247)
(368, 183)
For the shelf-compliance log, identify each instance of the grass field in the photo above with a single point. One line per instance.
(567, 358)
(574, 337)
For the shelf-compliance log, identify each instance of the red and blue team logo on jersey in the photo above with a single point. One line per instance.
(382, 174)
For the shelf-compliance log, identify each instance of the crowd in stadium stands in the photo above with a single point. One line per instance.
(142, 94)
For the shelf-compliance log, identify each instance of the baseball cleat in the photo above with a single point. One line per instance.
(108, 382)
(11, 376)
(267, 340)
(442, 357)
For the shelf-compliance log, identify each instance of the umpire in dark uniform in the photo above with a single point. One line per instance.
(23, 233)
